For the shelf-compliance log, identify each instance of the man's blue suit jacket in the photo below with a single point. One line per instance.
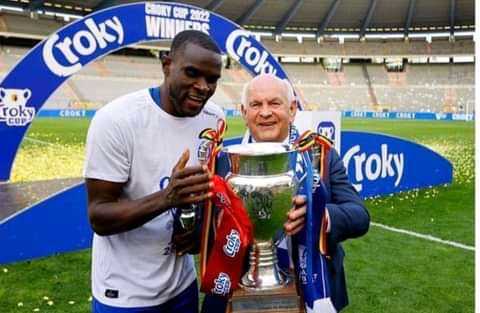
(348, 219)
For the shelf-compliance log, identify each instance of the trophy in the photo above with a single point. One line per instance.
(262, 175)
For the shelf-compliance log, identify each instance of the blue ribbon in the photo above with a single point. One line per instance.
(310, 264)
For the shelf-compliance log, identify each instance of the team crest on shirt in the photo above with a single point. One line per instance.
(232, 246)
(222, 284)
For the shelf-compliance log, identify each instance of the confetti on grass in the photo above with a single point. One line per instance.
(41, 162)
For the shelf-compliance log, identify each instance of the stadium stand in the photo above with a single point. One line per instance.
(21, 24)
(358, 87)
(421, 87)
(414, 47)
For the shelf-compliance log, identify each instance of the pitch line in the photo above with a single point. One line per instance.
(422, 236)
(39, 141)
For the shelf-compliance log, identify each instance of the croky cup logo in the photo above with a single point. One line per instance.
(13, 109)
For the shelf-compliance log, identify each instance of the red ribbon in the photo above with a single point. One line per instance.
(232, 240)
(216, 140)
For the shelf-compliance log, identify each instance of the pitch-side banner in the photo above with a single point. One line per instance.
(378, 164)
(411, 115)
(34, 79)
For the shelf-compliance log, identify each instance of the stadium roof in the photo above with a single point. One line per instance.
(321, 17)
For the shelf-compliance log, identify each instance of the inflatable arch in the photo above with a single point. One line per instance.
(36, 77)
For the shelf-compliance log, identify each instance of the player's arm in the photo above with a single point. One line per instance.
(109, 214)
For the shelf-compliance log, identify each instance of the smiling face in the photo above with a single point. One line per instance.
(267, 111)
(190, 80)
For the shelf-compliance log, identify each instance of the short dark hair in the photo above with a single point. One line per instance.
(195, 37)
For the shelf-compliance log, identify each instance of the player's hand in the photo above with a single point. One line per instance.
(296, 216)
(187, 184)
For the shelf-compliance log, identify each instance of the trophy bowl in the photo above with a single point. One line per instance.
(262, 175)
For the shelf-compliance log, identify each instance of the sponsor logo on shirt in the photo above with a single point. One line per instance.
(210, 113)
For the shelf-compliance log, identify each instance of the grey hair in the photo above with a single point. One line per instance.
(284, 82)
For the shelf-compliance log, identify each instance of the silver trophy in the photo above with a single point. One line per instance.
(261, 174)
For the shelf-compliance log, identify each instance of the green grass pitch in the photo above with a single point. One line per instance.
(386, 271)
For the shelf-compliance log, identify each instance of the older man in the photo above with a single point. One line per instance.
(268, 108)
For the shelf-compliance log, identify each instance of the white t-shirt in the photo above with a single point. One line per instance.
(133, 140)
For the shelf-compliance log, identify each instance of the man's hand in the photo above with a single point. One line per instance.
(187, 184)
(108, 215)
(296, 216)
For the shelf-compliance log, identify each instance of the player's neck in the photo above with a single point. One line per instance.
(165, 101)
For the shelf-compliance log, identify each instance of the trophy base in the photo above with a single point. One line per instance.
(281, 300)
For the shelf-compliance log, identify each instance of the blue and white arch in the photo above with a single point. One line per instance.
(36, 77)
